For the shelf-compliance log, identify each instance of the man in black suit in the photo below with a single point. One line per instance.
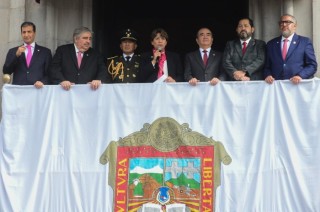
(160, 65)
(204, 64)
(244, 58)
(29, 62)
(125, 67)
(78, 63)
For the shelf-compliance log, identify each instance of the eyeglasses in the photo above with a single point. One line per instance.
(285, 22)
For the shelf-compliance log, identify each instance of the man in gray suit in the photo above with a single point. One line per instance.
(204, 64)
(244, 58)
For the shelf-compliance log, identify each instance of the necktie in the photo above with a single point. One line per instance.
(128, 59)
(29, 55)
(79, 58)
(205, 57)
(244, 48)
(284, 49)
(161, 64)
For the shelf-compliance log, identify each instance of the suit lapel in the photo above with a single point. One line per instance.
(74, 55)
(168, 61)
(294, 43)
(35, 55)
(199, 59)
(85, 58)
(24, 59)
(239, 48)
(211, 58)
(278, 47)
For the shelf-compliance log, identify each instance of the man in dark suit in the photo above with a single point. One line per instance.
(289, 56)
(204, 64)
(244, 58)
(78, 63)
(125, 68)
(160, 65)
(29, 62)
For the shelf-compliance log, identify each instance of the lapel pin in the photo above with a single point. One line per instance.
(294, 42)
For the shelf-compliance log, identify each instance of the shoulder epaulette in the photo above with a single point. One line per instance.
(112, 57)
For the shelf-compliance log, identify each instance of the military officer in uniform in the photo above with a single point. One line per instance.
(124, 68)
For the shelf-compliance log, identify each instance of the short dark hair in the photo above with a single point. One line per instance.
(28, 23)
(201, 28)
(246, 18)
(162, 33)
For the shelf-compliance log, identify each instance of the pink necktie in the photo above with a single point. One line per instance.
(285, 49)
(205, 57)
(29, 55)
(161, 64)
(244, 48)
(79, 58)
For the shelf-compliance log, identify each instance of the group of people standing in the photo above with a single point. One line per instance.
(289, 56)
(76, 63)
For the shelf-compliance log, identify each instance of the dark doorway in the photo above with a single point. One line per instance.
(181, 22)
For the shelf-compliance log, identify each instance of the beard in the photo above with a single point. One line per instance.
(286, 33)
(244, 35)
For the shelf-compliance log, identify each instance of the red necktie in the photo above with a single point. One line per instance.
(29, 55)
(244, 48)
(205, 57)
(79, 58)
(284, 49)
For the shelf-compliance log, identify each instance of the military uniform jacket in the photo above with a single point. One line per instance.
(122, 71)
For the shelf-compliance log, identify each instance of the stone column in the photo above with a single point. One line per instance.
(255, 15)
(11, 15)
(36, 13)
(287, 7)
(265, 15)
(63, 17)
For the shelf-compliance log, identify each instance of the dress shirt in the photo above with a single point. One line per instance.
(202, 53)
(247, 41)
(32, 48)
(124, 56)
(77, 50)
(288, 42)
